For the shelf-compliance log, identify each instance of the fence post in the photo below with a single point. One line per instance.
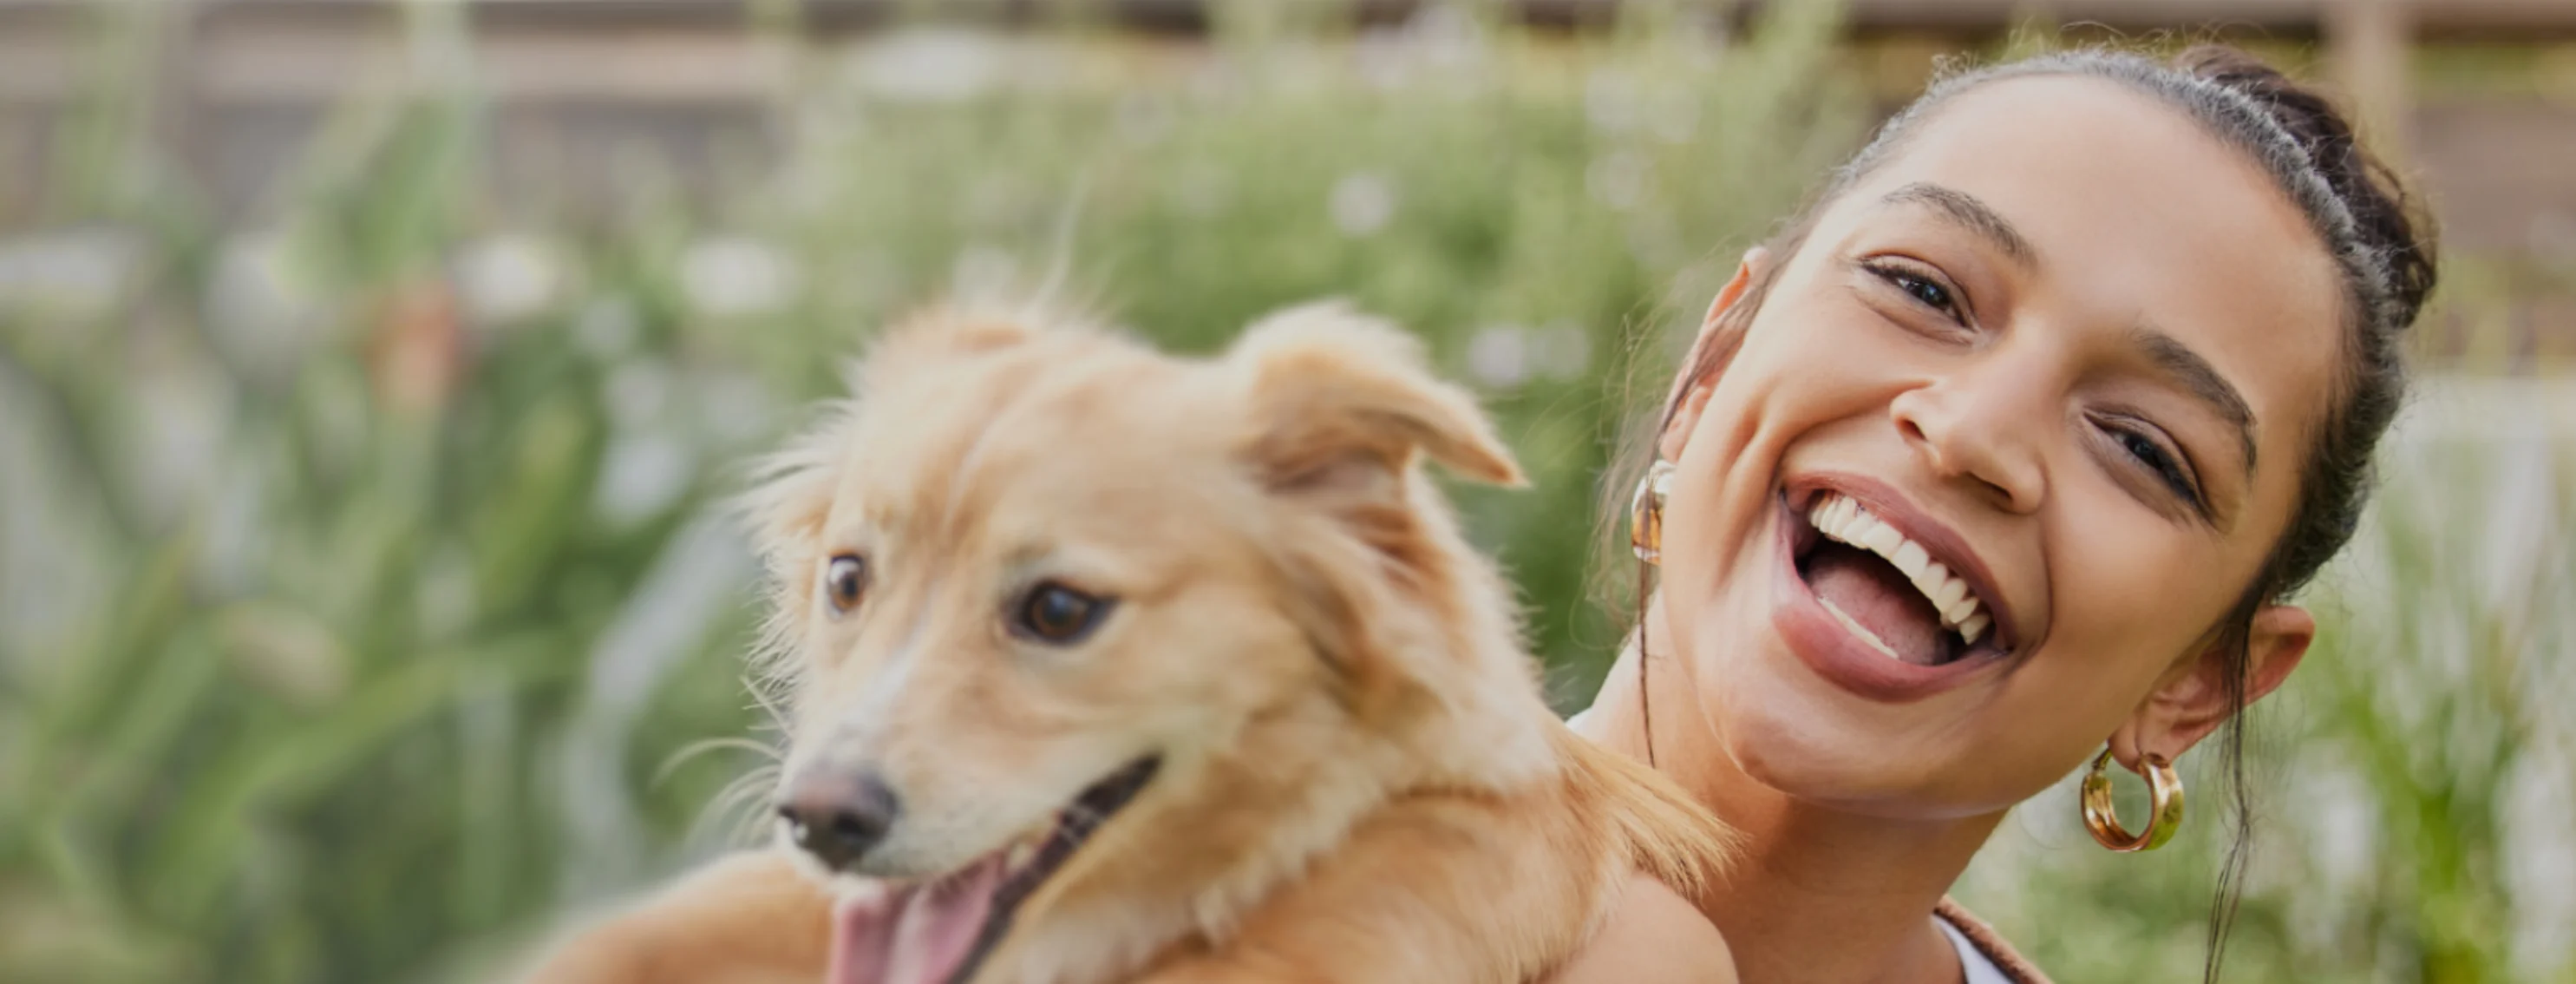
(2370, 43)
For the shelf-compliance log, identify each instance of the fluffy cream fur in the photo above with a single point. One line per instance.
(1359, 783)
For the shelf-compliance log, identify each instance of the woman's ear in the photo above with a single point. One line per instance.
(2191, 701)
(1691, 387)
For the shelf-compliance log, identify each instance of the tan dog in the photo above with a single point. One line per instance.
(1109, 666)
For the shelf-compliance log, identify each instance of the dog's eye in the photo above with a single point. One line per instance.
(1054, 614)
(845, 579)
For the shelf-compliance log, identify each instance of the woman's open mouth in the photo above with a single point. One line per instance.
(1884, 608)
(939, 930)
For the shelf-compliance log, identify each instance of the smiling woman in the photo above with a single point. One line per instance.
(2006, 456)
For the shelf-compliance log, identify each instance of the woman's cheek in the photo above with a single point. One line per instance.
(2120, 624)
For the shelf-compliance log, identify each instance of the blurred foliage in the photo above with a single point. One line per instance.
(363, 599)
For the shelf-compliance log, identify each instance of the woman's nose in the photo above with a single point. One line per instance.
(1979, 431)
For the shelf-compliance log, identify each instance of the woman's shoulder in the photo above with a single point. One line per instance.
(1652, 936)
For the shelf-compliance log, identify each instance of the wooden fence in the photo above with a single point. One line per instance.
(248, 79)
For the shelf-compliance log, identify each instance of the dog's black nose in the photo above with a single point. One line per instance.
(838, 817)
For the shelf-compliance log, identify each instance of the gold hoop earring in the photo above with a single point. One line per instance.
(1646, 512)
(1646, 537)
(2164, 805)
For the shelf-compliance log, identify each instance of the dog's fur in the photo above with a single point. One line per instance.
(1359, 781)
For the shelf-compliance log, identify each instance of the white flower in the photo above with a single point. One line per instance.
(180, 413)
(1499, 355)
(733, 409)
(1145, 118)
(262, 306)
(446, 601)
(641, 474)
(1362, 202)
(1611, 101)
(1617, 178)
(736, 276)
(638, 392)
(75, 275)
(606, 327)
(1563, 350)
(508, 277)
(930, 65)
(1674, 115)
(1442, 40)
(1447, 35)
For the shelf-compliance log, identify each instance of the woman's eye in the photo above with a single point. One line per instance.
(1057, 615)
(2160, 461)
(845, 581)
(1923, 288)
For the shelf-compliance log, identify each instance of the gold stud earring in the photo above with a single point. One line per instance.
(1646, 512)
(2164, 805)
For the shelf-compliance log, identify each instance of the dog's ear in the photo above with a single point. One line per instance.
(790, 494)
(785, 507)
(1417, 627)
(1338, 396)
(787, 504)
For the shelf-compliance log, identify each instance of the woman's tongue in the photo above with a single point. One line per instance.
(918, 934)
(1874, 594)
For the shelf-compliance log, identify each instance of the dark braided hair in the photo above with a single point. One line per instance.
(2357, 207)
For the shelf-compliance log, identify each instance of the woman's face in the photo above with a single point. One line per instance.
(2064, 344)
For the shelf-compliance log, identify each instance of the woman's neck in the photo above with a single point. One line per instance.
(1820, 894)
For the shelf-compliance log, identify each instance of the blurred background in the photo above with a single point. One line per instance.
(370, 372)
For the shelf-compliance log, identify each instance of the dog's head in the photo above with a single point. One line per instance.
(1035, 579)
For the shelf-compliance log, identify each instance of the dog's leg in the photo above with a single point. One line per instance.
(1435, 889)
(752, 918)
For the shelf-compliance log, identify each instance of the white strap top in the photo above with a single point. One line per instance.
(1981, 970)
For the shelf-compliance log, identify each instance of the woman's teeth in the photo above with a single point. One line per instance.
(1841, 519)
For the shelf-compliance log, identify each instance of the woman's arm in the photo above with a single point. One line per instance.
(1653, 936)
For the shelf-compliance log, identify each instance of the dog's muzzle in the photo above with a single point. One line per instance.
(839, 817)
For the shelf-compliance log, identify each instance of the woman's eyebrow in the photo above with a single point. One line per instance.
(2202, 380)
(1976, 216)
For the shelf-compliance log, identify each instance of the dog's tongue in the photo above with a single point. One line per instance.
(1874, 593)
(915, 935)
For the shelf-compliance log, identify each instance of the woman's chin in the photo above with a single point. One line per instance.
(1811, 751)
